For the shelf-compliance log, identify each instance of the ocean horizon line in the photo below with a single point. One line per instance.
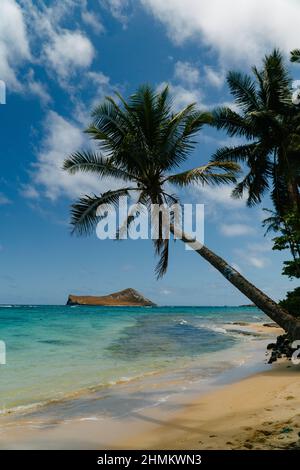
(11, 304)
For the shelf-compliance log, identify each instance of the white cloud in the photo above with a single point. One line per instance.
(91, 19)
(260, 247)
(257, 262)
(99, 78)
(37, 88)
(235, 230)
(4, 200)
(252, 255)
(117, 9)
(220, 195)
(214, 77)
(62, 138)
(183, 96)
(33, 34)
(69, 50)
(29, 192)
(187, 86)
(165, 291)
(186, 73)
(14, 45)
(236, 30)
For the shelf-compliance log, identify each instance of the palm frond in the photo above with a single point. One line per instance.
(234, 154)
(84, 216)
(233, 123)
(243, 89)
(94, 163)
(276, 80)
(206, 174)
(178, 137)
(273, 223)
(255, 184)
(163, 252)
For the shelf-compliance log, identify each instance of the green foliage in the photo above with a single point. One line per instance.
(266, 118)
(292, 302)
(288, 226)
(291, 268)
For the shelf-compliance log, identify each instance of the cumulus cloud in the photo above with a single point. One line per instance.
(257, 262)
(62, 137)
(14, 45)
(29, 192)
(4, 200)
(184, 96)
(37, 88)
(69, 50)
(186, 73)
(216, 196)
(189, 82)
(92, 20)
(33, 34)
(118, 9)
(184, 87)
(236, 30)
(214, 77)
(253, 255)
(234, 230)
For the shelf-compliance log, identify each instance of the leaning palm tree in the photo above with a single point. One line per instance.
(141, 143)
(269, 124)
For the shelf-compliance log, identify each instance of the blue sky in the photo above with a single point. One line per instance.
(58, 60)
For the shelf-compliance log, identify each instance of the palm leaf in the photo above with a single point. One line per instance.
(234, 154)
(93, 163)
(206, 175)
(84, 216)
(243, 89)
(233, 123)
(162, 265)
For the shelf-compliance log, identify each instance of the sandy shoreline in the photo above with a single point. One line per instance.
(261, 411)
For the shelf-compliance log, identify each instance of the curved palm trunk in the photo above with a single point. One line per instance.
(279, 315)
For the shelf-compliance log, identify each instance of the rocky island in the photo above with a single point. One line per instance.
(127, 297)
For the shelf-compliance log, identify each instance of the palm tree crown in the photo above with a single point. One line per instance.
(142, 142)
(269, 123)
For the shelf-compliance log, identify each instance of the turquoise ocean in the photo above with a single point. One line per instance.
(56, 352)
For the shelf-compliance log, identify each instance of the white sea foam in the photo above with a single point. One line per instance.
(90, 418)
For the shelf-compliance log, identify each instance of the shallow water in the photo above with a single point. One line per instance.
(56, 351)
